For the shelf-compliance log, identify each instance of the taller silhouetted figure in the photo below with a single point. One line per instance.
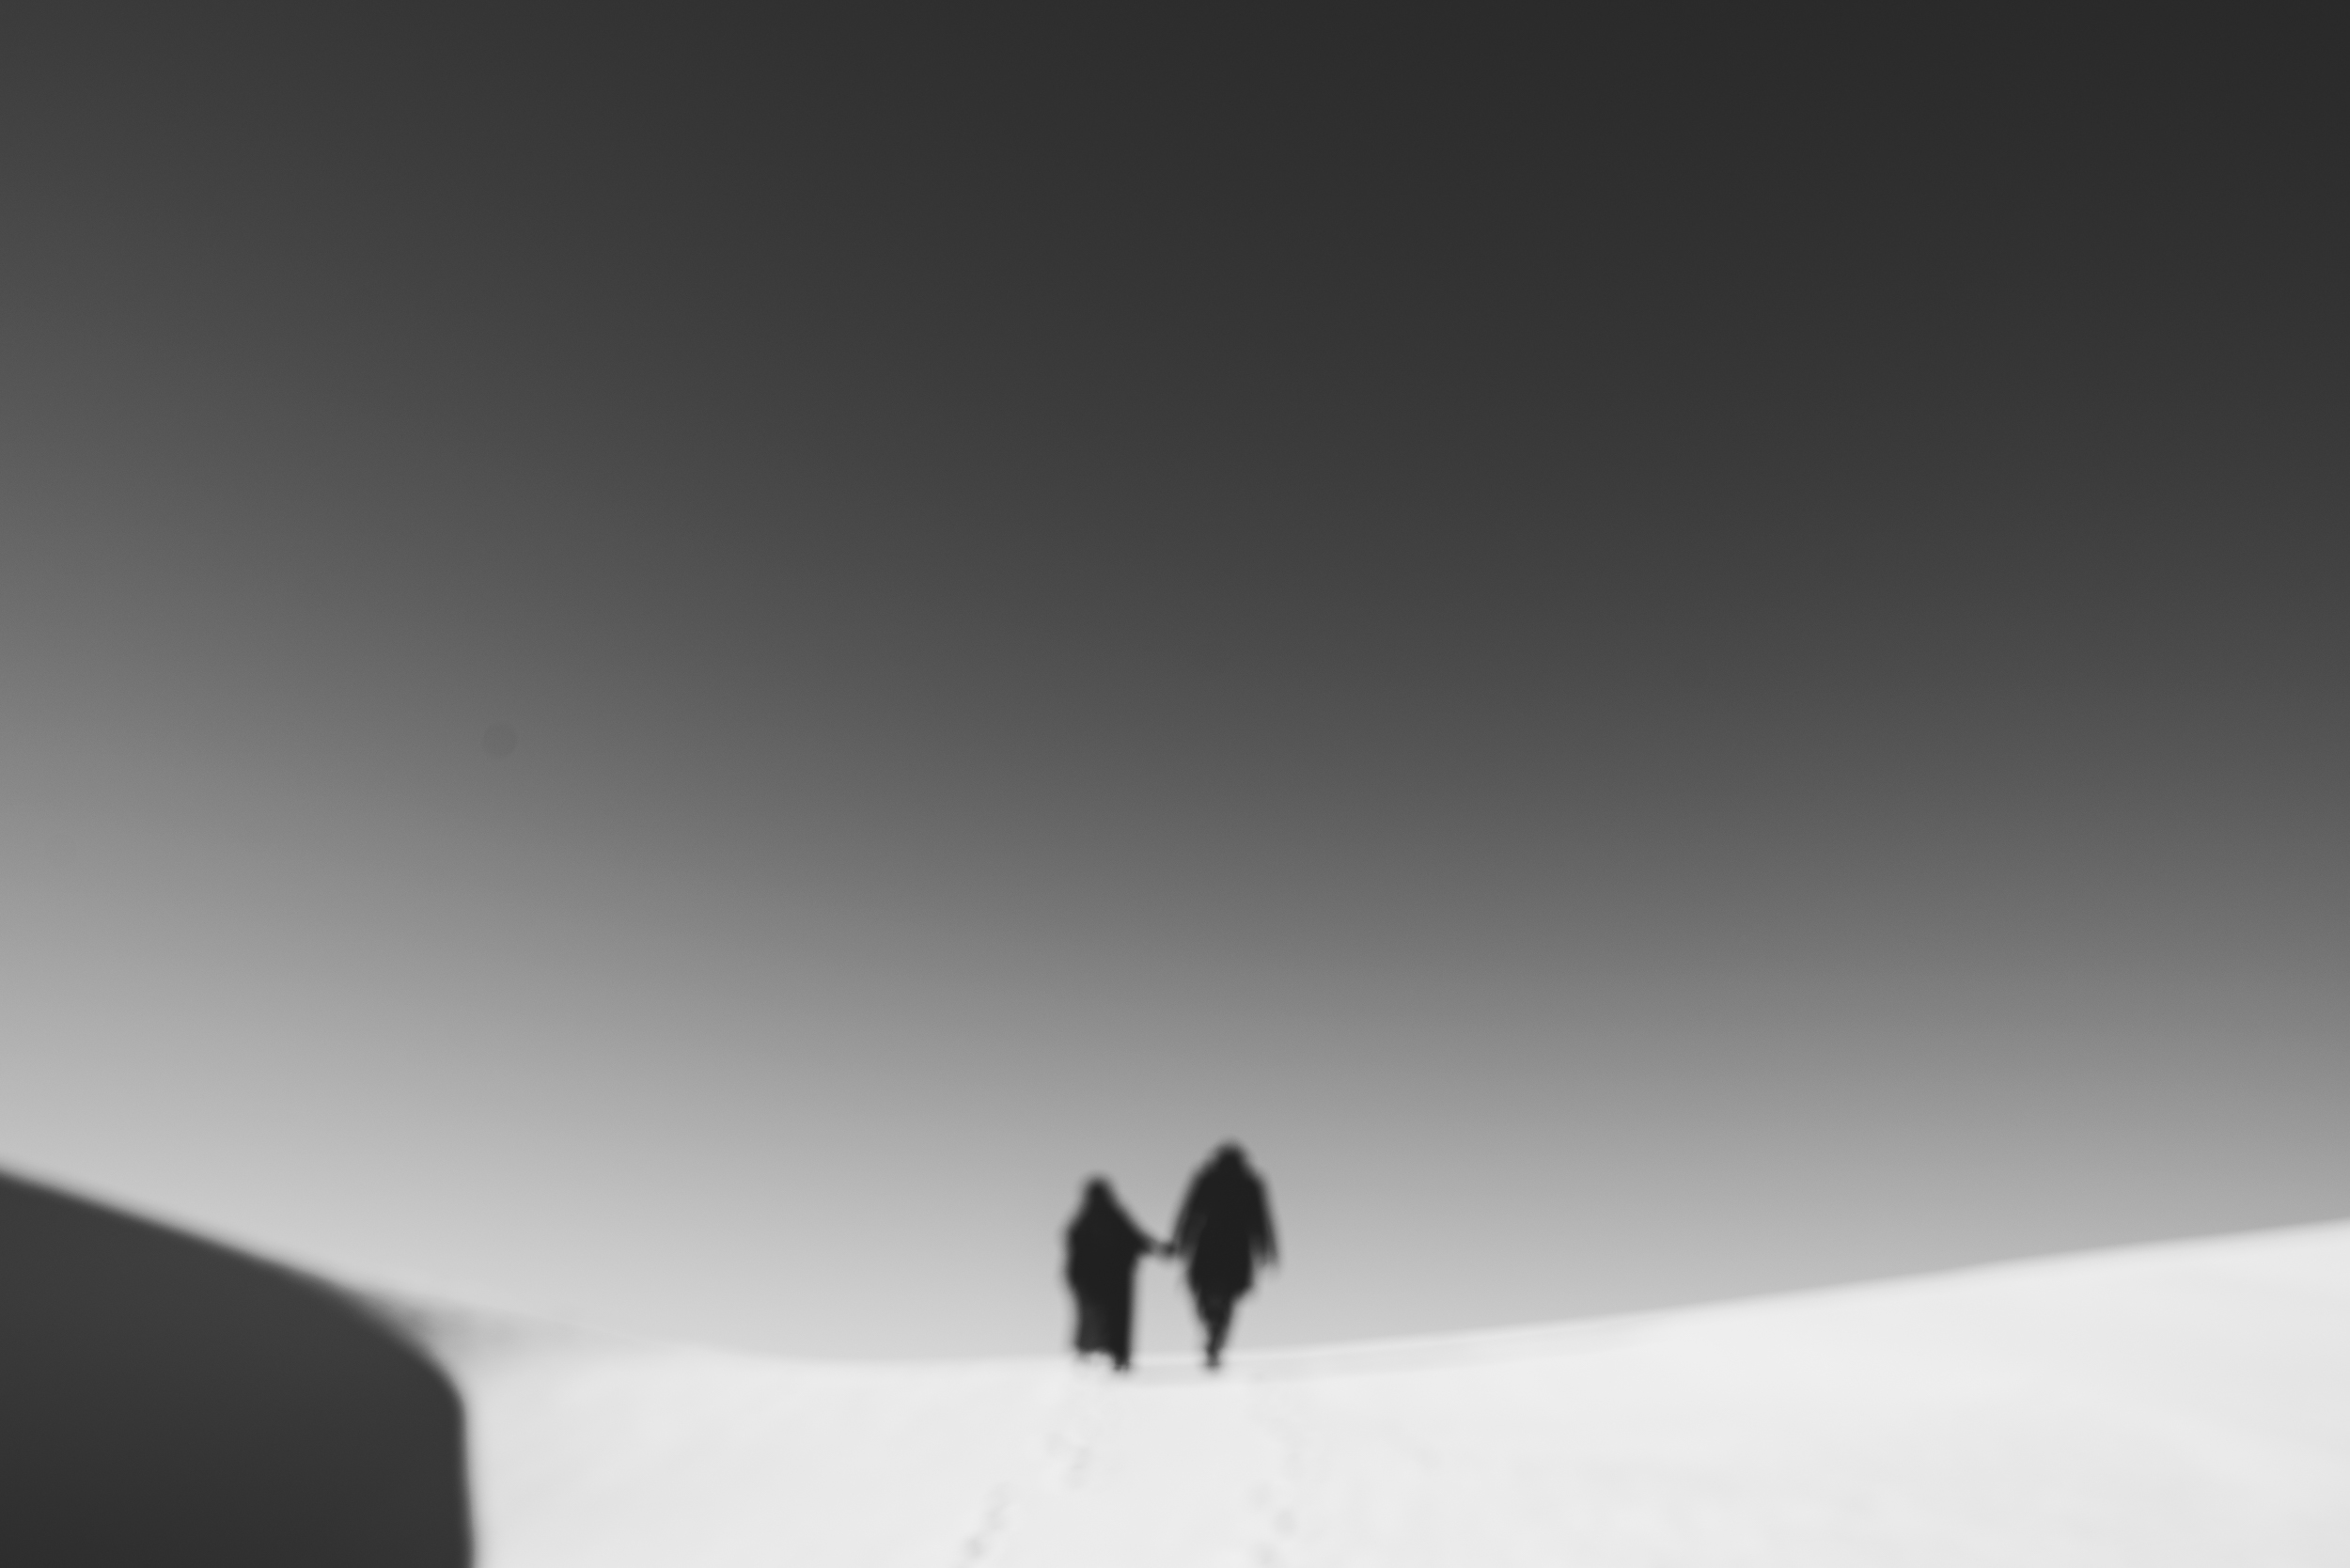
(1226, 1229)
(1103, 1244)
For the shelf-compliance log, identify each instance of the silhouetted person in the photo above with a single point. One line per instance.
(1103, 1243)
(1226, 1229)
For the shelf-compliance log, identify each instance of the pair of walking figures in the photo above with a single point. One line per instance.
(1223, 1231)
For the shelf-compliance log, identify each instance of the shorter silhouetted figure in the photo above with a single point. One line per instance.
(1226, 1229)
(1103, 1243)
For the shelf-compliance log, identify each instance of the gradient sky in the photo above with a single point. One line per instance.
(1661, 663)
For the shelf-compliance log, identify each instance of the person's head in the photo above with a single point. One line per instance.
(1098, 1194)
(1229, 1156)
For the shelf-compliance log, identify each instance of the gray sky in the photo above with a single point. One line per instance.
(1659, 665)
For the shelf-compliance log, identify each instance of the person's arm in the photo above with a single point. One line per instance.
(1142, 1240)
(1187, 1223)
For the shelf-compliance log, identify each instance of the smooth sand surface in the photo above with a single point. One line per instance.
(2185, 1404)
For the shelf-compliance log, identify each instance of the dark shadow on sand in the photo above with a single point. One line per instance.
(163, 1400)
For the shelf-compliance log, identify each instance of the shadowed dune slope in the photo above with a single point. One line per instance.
(164, 1401)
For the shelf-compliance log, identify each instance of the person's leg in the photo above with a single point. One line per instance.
(1088, 1326)
(1215, 1314)
(1118, 1328)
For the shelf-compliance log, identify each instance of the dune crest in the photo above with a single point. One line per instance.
(2185, 1404)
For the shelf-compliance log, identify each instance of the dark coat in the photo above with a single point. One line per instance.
(1102, 1246)
(1225, 1227)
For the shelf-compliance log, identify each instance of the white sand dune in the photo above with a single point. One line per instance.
(2184, 1405)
